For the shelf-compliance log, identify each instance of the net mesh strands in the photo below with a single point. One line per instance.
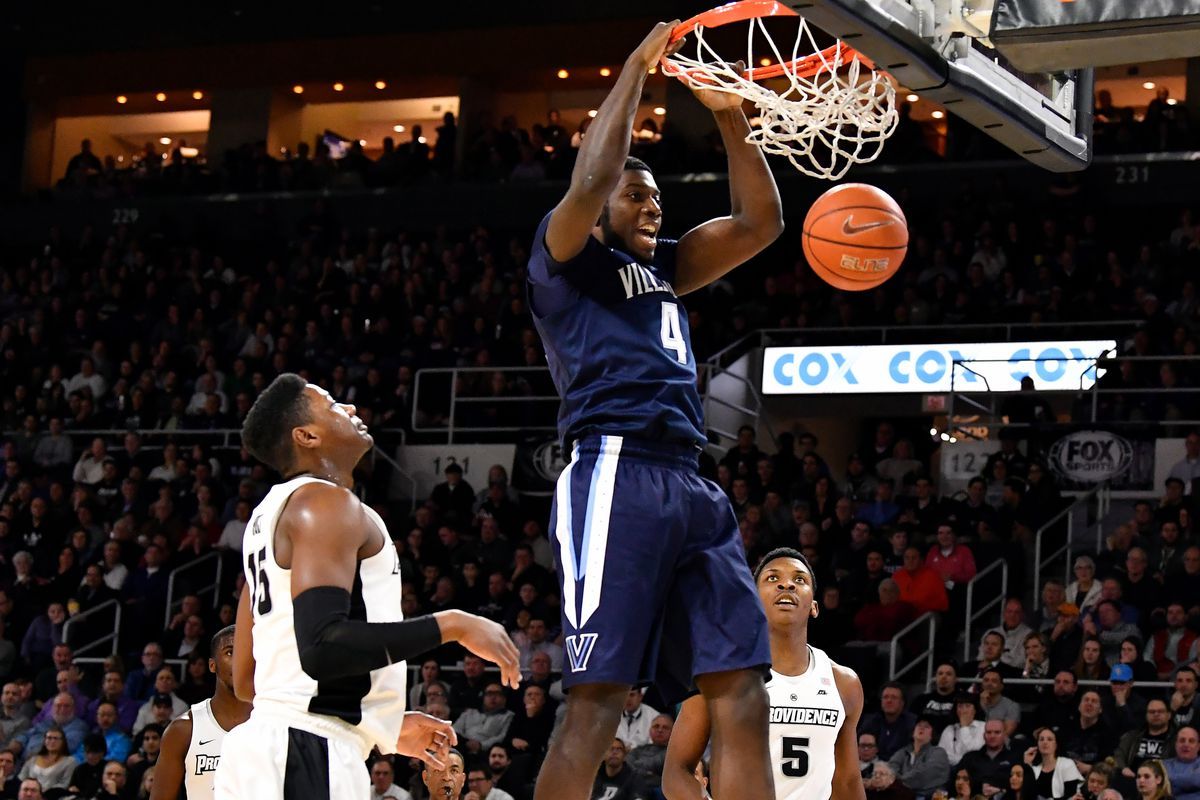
(833, 111)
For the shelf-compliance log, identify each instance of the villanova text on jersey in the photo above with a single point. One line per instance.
(617, 343)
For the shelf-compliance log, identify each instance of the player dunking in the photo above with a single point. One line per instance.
(815, 703)
(320, 640)
(654, 582)
(191, 745)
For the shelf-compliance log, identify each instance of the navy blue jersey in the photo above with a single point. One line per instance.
(617, 343)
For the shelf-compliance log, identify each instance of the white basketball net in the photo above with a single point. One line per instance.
(836, 115)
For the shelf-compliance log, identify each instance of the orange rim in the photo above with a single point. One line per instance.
(743, 10)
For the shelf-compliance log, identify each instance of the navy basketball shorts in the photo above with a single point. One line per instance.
(653, 576)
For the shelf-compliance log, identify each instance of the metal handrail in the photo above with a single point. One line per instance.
(929, 618)
(105, 638)
(1050, 682)
(215, 586)
(971, 615)
(1102, 493)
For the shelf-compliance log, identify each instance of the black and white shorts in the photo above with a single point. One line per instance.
(291, 757)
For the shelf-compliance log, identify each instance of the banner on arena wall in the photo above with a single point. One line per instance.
(1085, 457)
(427, 462)
(904, 368)
(539, 461)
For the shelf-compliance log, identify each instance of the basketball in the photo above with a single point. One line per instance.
(855, 237)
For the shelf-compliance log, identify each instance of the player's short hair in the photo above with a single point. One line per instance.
(784, 552)
(634, 163)
(219, 637)
(266, 433)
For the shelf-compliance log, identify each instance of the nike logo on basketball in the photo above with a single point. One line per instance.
(850, 229)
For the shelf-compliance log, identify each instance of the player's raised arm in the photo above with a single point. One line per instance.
(689, 737)
(710, 250)
(319, 520)
(168, 770)
(602, 155)
(243, 649)
(847, 779)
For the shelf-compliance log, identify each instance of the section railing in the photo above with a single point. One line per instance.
(929, 618)
(996, 600)
(108, 606)
(1102, 496)
(214, 587)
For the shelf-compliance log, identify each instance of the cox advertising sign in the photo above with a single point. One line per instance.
(990, 366)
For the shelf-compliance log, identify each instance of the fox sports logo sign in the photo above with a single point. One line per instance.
(1091, 456)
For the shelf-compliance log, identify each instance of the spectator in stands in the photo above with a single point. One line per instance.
(1091, 737)
(454, 496)
(140, 685)
(1084, 591)
(164, 692)
(1131, 654)
(383, 786)
(1152, 783)
(883, 510)
(965, 733)
(13, 720)
(892, 725)
(636, 719)
(479, 783)
(868, 755)
(1169, 647)
(53, 452)
(938, 705)
(880, 621)
(1111, 630)
(468, 690)
(45, 684)
(952, 561)
(116, 741)
(900, 465)
(88, 777)
(113, 691)
(647, 761)
(919, 585)
(1187, 469)
(991, 648)
(1153, 741)
(1054, 776)
(921, 765)
(743, 457)
(63, 716)
(1183, 769)
(1127, 707)
(1141, 590)
(615, 779)
(1014, 630)
(504, 774)
(991, 763)
(530, 731)
(1057, 709)
(1183, 699)
(994, 704)
(1037, 665)
(478, 730)
(44, 635)
(51, 765)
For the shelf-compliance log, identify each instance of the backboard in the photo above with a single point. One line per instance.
(940, 50)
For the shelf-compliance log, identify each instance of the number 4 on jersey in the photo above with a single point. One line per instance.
(672, 332)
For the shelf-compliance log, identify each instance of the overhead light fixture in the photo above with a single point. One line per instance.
(933, 431)
(659, 111)
(362, 142)
(562, 73)
(912, 98)
(1171, 101)
(398, 128)
(764, 62)
(197, 95)
(421, 139)
(160, 97)
(605, 72)
(189, 152)
(380, 85)
(298, 89)
(1148, 85)
(592, 113)
(165, 140)
(337, 87)
(122, 99)
(938, 114)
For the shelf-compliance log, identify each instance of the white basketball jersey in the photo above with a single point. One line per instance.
(806, 715)
(372, 704)
(204, 752)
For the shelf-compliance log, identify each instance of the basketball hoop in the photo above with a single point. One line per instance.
(836, 110)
